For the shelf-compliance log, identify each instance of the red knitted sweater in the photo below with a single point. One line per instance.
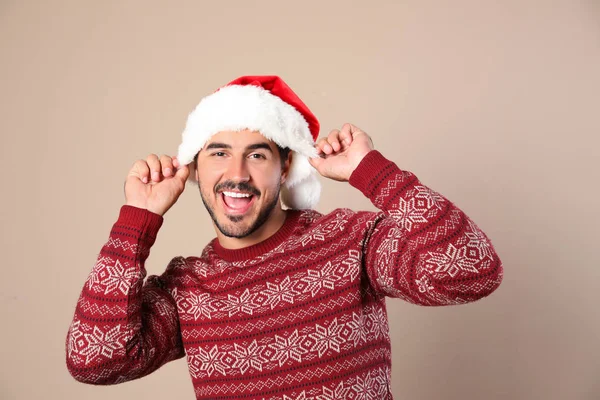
(299, 316)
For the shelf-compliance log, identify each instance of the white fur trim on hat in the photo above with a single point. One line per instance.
(240, 107)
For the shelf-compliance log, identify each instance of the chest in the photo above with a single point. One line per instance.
(220, 298)
(238, 319)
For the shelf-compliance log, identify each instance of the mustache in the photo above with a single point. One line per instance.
(241, 186)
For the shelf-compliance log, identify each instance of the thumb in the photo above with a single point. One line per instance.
(315, 162)
(183, 172)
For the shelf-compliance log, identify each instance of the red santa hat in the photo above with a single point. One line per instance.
(268, 105)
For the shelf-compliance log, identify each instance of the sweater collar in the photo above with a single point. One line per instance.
(245, 253)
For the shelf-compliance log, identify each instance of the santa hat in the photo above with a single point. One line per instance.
(268, 105)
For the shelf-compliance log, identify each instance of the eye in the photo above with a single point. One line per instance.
(257, 156)
(218, 154)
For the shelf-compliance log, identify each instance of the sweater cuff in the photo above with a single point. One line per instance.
(369, 171)
(140, 219)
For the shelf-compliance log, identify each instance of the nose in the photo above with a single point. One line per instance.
(238, 170)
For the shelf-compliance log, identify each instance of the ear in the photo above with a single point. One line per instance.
(193, 167)
(192, 177)
(286, 167)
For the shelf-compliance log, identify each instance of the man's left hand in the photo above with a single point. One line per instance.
(341, 152)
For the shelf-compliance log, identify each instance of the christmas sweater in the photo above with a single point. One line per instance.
(301, 315)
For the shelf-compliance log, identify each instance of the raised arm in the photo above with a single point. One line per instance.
(123, 328)
(421, 247)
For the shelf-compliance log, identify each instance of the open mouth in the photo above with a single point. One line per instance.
(236, 203)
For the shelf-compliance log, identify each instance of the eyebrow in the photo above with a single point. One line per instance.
(254, 146)
(257, 146)
(218, 146)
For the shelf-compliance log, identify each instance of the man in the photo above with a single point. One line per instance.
(283, 303)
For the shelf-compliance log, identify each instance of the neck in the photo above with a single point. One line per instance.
(265, 231)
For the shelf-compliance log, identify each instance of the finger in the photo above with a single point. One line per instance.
(176, 163)
(167, 165)
(324, 146)
(319, 146)
(355, 130)
(154, 165)
(140, 170)
(333, 140)
(346, 134)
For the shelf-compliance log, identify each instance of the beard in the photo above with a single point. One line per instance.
(235, 230)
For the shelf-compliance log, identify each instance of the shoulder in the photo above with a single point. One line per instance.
(338, 220)
(174, 268)
(179, 269)
(182, 272)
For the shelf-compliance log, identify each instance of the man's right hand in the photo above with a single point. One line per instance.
(155, 184)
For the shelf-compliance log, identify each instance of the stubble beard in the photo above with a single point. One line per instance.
(234, 232)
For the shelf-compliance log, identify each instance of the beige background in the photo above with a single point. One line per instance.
(494, 104)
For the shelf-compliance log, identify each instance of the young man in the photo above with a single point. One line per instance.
(283, 303)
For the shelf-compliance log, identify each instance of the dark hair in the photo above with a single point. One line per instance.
(283, 155)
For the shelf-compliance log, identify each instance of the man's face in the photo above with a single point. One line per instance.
(239, 176)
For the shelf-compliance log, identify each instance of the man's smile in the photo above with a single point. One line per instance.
(236, 203)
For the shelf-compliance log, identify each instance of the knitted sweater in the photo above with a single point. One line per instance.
(300, 315)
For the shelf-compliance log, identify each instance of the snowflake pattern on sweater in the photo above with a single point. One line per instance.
(301, 315)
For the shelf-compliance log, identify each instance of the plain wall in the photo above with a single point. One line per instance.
(494, 104)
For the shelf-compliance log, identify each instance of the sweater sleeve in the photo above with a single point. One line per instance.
(421, 247)
(124, 328)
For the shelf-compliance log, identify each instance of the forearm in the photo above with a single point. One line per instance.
(123, 329)
(423, 248)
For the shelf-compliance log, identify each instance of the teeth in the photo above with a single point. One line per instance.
(233, 194)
